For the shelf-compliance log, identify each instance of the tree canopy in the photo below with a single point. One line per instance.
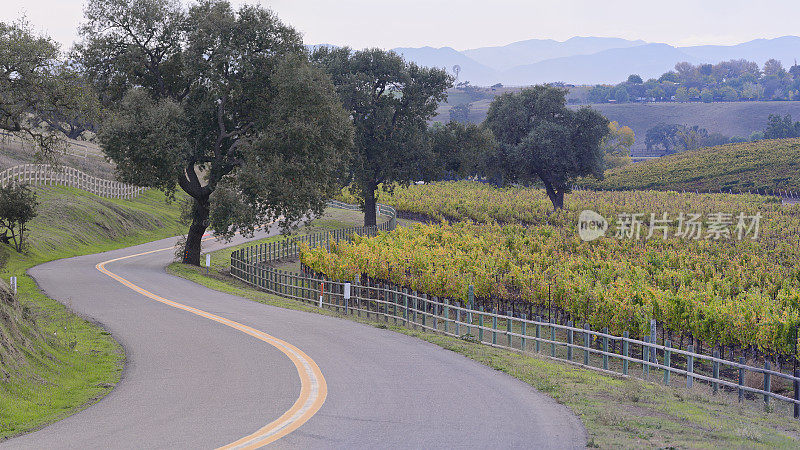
(390, 101)
(222, 103)
(545, 141)
(38, 88)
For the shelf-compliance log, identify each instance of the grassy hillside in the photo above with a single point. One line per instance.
(730, 118)
(53, 363)
(764, 165)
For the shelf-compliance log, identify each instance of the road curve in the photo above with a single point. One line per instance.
(196, 381)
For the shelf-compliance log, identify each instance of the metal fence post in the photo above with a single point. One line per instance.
(480, 324)
(569, 341)
(741, 378)
(796, 383)
(494, 326)
(605, 349)
(715, 385)
(524, 333)
(509, 326)
(767, 385)
(646, 357)
(625, 353)
(690, 367)
(446, 314)
(538, 333)
(552, 339)
(586, 343)
(667, 358)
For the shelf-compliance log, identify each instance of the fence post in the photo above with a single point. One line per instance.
(552, 339)
(569, 341)
(494, 326)
(524, 333)
(625, 353)
(480, 324)
(767, 385)
(405, 307)
(715, 385)
(538, 333)
(796, 383)
(690, 367)
(458, 321)
(741, 379)
(470, 306)
(605, 349)
(446, 314)
(509, 326)
(646, 357)
(586, 343)
(667, 358)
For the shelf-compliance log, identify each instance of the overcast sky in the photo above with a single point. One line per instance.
(469, 24)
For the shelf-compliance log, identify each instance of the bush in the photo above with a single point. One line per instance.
(17, 207)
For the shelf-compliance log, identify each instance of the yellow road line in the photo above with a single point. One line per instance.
(313, 390)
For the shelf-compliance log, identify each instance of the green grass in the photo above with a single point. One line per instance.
(617, 412)
(765, 165)
(53, 362)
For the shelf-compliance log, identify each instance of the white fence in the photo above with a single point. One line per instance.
(46, 175)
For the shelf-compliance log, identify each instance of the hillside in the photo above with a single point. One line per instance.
(764, 165)
(51, 361)
(729, 118)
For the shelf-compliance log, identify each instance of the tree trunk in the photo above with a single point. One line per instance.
(370, 217)
(556, 196)
(194, 240)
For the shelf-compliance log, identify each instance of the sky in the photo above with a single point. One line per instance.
(469, 24)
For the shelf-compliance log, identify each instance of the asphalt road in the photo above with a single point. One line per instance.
(191, 382)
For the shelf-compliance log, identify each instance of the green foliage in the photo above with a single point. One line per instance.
(766, 165)
(210, 96)
(459, 150)
(17, 207)
(617, 145)
(543, 140)
(708, 288)
(390, 101)
(37, 87)
(781, 127)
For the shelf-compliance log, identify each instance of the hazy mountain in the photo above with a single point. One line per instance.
(609, 66)
(785, 49)
(446, 57)
(535, 50)
(588, 60)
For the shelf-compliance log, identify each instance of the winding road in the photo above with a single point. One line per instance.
(207, 369)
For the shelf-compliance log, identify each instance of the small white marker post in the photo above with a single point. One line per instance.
(321, 293)
(346, 296)
(208, 262)
(13, 283)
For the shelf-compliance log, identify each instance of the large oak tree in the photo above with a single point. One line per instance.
(220, 102)
(543, 140)
(390, 101)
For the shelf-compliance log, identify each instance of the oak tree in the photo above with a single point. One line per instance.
(222, 103)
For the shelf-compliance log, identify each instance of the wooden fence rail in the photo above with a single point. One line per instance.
(46, 175)
(582, 346)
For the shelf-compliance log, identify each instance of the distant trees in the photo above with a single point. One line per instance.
(671, 138)
(220, 102)
(460, 113)
(616, 146)
(541, 140)
(17, 207)
(459, 151)
(37, 87)
(726, 81)
(781, 127)
(390, 101)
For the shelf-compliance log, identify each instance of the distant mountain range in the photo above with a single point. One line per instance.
(589, 60)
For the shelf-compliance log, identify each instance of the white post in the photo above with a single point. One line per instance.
(13, 283)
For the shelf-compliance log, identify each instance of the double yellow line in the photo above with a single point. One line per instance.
(313, 389)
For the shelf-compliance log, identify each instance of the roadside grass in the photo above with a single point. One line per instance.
(53, 362)
(617, 412)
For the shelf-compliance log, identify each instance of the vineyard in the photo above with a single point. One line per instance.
(736, 292)
(769, 165)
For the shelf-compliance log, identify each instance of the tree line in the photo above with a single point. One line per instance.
(228, 106)
(727, 81)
